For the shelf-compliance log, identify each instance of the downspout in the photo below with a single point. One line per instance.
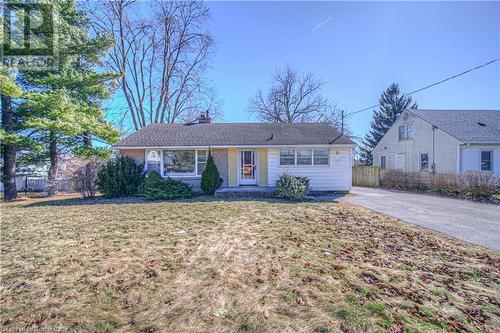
(162, 164)
(433, 166)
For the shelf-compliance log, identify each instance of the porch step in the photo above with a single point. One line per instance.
(245, 192)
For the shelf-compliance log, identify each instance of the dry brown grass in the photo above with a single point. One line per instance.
(236, 266)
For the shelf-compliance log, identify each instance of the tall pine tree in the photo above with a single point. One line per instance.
(8, 90)
(59, 111)
(392, 104)
(64, 108)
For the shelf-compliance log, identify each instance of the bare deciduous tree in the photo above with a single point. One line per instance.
(83, 173)
(293, 98)
(161, 57)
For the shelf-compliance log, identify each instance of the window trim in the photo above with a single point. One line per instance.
(420, 162)
(481, 159)
(295, 165)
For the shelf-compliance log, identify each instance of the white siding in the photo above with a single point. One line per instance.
(337, 176)
(470, 157)
(445, 147)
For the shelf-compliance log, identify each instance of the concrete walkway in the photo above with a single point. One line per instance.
(470, 221)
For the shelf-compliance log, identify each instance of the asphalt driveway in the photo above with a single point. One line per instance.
(470, 221)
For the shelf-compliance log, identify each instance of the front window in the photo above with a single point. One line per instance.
(184, 162)
(201, 160)
(486, 160)
(424, 162)
(179, 162)
(153, 166)
(382, 163)
(287, 157)
(304, 157)
(405, 132)
(320, 156)
(153, 161)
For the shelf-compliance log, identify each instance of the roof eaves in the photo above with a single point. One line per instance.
(480, 142)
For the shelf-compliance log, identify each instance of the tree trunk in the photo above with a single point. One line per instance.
(87, 140)
(8, 151)
(51, 188)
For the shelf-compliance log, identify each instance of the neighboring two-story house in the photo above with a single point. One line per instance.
(446, 141)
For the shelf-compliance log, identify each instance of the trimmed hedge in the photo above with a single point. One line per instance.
(155, 187)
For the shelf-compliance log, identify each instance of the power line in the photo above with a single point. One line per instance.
(431, 85)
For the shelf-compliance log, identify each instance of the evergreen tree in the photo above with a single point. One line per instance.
(210, 179)
(64, 107)
(120, 177)
(60, 111)
(8, 90)
(8, 86)
(392, 104)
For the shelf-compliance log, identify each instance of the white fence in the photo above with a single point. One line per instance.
(39, 184)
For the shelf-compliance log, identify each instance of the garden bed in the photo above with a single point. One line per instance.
(475, 186)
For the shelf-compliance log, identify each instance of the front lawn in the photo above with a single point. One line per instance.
(253, 266)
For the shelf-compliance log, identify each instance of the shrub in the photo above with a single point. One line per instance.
(83, 174)
(445, 183)
(85, 178)
(480, 184)
(155, 187)
(210, 180)
(120, 177)
(411, 181)
(291, 187)
(475, 185)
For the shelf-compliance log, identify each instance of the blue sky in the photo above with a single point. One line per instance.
(360, 49)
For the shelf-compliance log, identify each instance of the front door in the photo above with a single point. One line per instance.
(247, 167)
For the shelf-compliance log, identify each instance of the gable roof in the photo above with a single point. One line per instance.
(468, 126)
(233, 134)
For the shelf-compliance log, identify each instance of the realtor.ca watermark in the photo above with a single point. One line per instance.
(29, 36)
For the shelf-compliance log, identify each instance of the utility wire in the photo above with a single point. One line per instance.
(431, 85)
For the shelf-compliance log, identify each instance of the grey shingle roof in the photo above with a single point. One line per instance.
(465, 125)
(233, 134)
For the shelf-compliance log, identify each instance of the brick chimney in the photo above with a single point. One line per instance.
(204, 118)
